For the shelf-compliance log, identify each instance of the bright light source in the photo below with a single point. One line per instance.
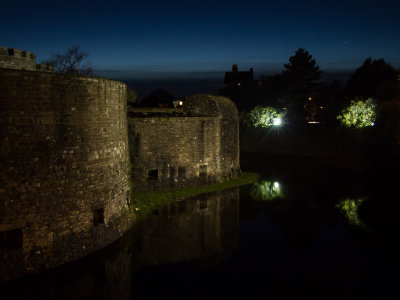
(181, 103)
(277, 121)
(276, 184)
(309, 98)
(264, 117)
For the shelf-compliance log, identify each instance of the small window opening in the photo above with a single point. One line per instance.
(98, 216)
(11, 239)
(10, 51)
(23, 54)
(203, 170)
(203, 203)
(181, 172)
(153, 174)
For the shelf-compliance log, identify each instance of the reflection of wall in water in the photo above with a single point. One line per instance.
(191, 229)
(105, 274)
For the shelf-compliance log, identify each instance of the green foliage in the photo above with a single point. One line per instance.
(265, 190)
(130, 96)
(264, 117)
(349, 208)
(360, 113)
(144, 202)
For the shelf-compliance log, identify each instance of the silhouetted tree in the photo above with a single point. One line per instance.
(158, 98)
(302, 73)
(70, 62)
(301, 76)
(375, 78)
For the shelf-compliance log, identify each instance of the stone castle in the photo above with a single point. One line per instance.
(65, 164)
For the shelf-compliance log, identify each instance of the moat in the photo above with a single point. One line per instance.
(300, 232)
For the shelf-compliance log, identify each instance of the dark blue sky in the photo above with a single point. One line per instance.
(147, 37)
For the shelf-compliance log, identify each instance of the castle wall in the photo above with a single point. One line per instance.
(197, 144)
(17, 59)
(63, 168)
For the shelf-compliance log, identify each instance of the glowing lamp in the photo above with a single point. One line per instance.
(277, 121)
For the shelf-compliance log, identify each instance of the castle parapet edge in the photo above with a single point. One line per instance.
(11, 58)
(63, 167)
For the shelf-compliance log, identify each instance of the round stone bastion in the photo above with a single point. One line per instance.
(192, 145)
(63, 168)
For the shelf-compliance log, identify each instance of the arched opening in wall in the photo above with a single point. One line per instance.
(98, 216)
(11, 239)
(203, 170)
(153, 174)
(10, 51)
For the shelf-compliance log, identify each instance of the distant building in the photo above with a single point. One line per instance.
(238, 78)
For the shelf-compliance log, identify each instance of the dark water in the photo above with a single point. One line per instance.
(301, 232)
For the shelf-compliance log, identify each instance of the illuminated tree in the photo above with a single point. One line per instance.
(264, 117)
(349, 208)
(265, 190)
(360, 113)
(70, 62)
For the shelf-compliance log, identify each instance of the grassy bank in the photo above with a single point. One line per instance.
(143, 202)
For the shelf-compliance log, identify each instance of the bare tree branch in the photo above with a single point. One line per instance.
(71, 62)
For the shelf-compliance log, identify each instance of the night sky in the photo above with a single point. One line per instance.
(165, 38)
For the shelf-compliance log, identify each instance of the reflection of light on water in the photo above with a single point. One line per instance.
(266, 190)
(349, 207)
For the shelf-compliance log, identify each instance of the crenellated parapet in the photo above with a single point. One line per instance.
(11, 58)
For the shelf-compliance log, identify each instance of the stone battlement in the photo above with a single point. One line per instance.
(11, 58)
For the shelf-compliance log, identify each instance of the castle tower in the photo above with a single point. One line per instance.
(63, 165)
